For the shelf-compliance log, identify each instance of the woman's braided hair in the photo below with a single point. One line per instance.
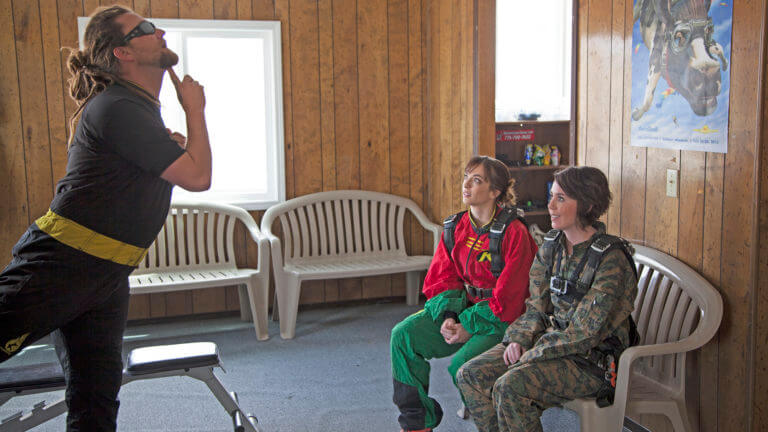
(95, 67)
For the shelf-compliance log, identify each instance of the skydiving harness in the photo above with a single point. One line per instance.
(499, 225)
(602, 362)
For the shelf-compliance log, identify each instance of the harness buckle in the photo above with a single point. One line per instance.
(497, 228)
(551, 235)
(470, 289)
(477, 292)
(559, 285)
(556, 324)
(600, 245)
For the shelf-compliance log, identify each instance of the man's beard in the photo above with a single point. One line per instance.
(168, 58)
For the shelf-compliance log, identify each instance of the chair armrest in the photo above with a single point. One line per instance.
(256, 234)
(250, 224)
(690, 343)
(237, 213)
(276, 248)
(428, 225)
(270, 237)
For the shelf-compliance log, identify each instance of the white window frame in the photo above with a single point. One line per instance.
(273, 90)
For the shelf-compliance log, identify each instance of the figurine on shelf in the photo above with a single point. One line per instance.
(528, 154)
(555, 155)
(538, 155)
(547, 155)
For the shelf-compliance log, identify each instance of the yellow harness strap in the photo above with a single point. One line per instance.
(81, 238)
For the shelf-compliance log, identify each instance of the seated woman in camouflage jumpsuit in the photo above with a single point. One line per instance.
(468, 308)
(544, 359)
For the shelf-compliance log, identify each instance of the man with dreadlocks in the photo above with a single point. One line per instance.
(69, 271)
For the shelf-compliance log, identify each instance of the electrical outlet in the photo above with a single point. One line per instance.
(672, 183)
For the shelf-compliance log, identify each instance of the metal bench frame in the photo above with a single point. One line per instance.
(202, 370)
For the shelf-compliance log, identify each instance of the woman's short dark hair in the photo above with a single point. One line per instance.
(589, 187)
(498, 176)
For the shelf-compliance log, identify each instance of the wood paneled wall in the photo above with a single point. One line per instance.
(385, 95)
(713, 225)
(451, 103)
(354, 96)
(719, 223)
(760, 415)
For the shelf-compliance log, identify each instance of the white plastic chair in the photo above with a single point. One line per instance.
(341, 234)
(676, 311)
(195, 249)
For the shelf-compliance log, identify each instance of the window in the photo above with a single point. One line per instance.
(238, 63)
(533, 59)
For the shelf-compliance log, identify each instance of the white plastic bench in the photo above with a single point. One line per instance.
(341, 234)
(676, 311)
(195, 249)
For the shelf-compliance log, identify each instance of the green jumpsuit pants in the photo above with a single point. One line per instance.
(415, 340)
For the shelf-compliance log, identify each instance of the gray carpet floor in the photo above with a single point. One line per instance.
(334, 376)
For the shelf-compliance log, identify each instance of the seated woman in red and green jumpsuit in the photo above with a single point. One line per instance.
(475, 287)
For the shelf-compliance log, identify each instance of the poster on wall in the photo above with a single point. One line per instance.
(681, 52)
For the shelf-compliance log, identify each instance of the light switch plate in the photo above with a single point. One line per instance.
(672, 183)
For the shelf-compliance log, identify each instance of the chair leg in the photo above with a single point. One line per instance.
(243, 295)
(258, 294)
(595, 419)
(275, 311)
(679, 418)
(412, 285)
(288, 305)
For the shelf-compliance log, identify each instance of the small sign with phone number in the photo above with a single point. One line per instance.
(516, 135)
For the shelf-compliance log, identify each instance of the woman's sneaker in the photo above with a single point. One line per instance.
(463, 412)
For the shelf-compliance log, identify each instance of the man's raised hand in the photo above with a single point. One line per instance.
(189, 92)
(176, 83)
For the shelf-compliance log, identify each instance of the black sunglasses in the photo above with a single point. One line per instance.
(144, 28)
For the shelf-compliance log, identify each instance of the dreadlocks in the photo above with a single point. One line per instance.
(95, 66)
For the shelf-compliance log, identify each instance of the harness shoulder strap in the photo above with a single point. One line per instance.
(587, 266)
(506, 216)
(597, 250)
(449, 226)
(547, 250)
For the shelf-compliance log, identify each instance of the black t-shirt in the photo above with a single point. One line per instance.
(118, 153)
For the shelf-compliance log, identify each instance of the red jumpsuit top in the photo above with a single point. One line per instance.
(470, 262)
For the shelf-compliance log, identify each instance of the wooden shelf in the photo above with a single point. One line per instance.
(531, 180)
(536, 168)
(537, 213)
(526, 122)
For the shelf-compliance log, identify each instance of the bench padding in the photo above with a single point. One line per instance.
(164, 358)
(46, 375)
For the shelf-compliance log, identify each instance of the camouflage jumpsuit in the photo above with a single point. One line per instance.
(551, 370)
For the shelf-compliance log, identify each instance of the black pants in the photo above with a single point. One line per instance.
(50, 287)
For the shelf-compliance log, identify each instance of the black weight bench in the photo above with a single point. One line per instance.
(195, 360)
